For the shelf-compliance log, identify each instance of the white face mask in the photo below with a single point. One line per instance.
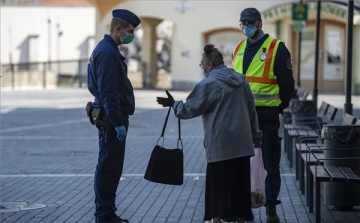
(202, 66)
(203, 70)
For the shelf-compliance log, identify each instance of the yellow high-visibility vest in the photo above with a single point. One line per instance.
(260, 74)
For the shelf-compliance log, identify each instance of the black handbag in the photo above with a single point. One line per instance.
(166, 166)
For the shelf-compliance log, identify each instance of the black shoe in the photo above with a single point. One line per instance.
(116, 219)
(227, 220)
(250, 217)
(271, 216)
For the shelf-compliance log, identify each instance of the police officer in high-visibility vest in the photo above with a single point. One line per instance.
(267, 64)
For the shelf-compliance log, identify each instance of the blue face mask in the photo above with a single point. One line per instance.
(249, 31)
(129, 37)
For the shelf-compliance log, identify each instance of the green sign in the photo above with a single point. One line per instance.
(299, 11)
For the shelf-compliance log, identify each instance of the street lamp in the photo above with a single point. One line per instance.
(49, 41)
(182, 6)
(59, 34)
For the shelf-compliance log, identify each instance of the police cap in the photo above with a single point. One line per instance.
(127, 16)
(251, 14)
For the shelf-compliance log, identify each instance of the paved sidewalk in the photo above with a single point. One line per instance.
(48, 153)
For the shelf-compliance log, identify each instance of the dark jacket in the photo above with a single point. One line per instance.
(108, 81)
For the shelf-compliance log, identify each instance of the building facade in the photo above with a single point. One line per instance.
(194, 24)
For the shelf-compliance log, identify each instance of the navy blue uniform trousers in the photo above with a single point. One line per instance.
(108, 173)
(271, 152)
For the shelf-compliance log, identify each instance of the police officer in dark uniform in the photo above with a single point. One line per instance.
(267, 64)
(114, 102)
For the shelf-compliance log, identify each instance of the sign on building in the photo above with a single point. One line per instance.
(299, 11)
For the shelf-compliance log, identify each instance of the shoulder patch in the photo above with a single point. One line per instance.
(288, 64)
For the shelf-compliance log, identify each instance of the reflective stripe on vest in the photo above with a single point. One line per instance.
(265, 96)
(260, 73)
(265, 78)
(235, 52)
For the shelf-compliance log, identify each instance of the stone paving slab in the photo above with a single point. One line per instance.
(48, 153)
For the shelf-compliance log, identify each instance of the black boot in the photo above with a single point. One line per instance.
(250, 217)
(271, 216)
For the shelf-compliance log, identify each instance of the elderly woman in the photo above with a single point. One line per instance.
(225, 102)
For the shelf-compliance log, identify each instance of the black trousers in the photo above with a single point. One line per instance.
(107, 175)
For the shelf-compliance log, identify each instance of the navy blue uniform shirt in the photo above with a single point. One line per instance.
(283, 72)
(108, 81)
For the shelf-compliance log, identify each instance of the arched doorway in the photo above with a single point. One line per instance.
(331, 64)
(225, 40)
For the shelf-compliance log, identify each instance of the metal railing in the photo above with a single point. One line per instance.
(19, 2)
(44, 74)
(65, 73)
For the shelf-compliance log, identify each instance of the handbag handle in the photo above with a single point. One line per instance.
(166, 120)
(179, 141)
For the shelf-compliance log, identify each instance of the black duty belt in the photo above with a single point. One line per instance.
(98, 117)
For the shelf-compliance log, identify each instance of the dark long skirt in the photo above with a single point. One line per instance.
(227, 190)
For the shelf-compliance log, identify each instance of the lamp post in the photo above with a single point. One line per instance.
(49, 41)
(299, 56)
(182, 6)
(348, 107)
(317, 40)
(59, 34)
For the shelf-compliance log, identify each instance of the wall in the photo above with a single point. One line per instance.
(79, 24)
(189, 29)
(18, 22)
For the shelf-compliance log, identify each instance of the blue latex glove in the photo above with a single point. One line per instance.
(121, 133)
